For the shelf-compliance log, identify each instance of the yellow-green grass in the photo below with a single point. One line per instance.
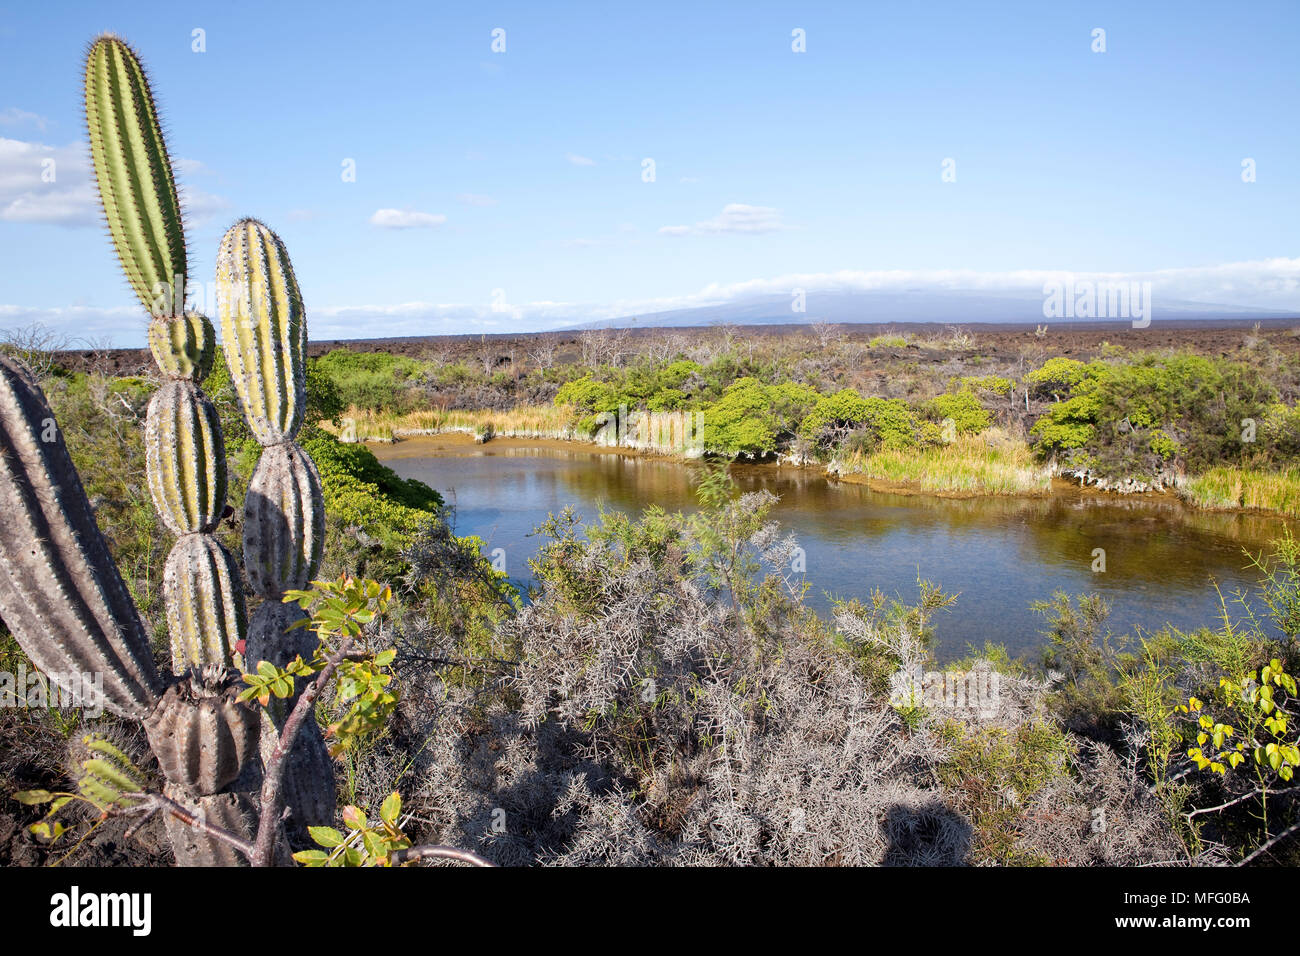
(1228, 486)
(990, 463)
(540, 421)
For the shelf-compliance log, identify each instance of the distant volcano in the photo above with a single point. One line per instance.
(954, 308)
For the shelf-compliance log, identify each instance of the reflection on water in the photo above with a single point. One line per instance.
(999, 553)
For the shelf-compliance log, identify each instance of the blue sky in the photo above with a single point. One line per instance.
(521, 171)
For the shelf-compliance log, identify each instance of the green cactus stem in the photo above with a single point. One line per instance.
(263, 329)
(205, 606)
(135, 177)
(185, 458)
(183, 347)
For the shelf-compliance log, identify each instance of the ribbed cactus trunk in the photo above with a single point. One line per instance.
(65, 601)
(185, 456)
(264, 335)
(61, 594)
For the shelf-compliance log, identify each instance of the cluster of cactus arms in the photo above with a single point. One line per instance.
(60, 592)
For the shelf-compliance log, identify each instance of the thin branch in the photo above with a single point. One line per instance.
(1223, 806)
(151, 803)
(433, 852)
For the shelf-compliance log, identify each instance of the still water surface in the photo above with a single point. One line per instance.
(1001, 554)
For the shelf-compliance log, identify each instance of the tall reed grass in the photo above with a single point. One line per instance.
(1228, 486)
(990, 463)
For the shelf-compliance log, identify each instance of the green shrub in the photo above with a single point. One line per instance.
(371, 381)
(586, 395)
(880, 422)
(990, 383)
(1136, 417)
(1057, 375)
(742, 420)
(360, 491)
(969, 416)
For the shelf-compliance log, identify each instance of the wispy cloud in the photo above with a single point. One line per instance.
(474, 199)
(13, 116)
(735, 218)
(579, 160)
(406, 219)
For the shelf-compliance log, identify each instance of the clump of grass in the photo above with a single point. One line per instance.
(893, 341)
(539, 421)
(987, 463)
(1227, 486)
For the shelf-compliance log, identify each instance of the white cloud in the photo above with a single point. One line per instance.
(474, 199)
(27, 195)
(13, 116)
(579, 160)
(735, 218)
(53, 185)
(406, 219)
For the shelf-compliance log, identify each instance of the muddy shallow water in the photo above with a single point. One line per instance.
(1161, 558)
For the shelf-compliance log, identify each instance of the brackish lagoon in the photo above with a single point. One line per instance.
(1001, 554)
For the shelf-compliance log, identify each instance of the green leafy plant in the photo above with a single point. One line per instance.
(340, 611)
(1253, 729)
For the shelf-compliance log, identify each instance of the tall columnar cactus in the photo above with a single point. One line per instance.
(60, 593)
(264, 335)
(66, 603)
(184, 454)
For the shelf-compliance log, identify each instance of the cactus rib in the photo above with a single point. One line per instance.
(60, 592)
(284, 521)
(185, 458)
(201, 733)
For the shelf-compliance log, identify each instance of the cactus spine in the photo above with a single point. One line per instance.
(264, 335)
(184, 453)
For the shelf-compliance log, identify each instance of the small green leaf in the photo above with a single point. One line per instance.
(33, 797)
(326, 836)
(391, 809)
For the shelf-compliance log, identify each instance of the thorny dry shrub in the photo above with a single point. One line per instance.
(652, 716)
(1102, 814)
